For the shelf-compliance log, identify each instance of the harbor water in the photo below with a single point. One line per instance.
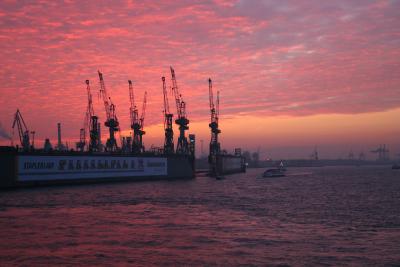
(314, 216)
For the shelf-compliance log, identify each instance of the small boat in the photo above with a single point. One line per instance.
(275, 172)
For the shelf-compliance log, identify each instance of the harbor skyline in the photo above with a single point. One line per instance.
(290, 74)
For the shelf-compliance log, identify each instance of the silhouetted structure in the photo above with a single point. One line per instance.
(215, 147)
(182, 146)
(169, 132)
(137, 123)
(112, 121)
(23, 132)
(383, 153)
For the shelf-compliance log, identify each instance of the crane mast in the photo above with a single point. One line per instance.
(183, 145)
(23, 131)
(215, 147)
(169, 132)
(112, 121)
(217, 106)
(136, 122)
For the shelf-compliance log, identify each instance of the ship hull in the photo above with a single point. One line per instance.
(29, 169)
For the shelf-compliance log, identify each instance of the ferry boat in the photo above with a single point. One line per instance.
(275, 172)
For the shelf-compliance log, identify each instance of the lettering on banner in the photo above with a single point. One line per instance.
(81, 164)
(41, 165)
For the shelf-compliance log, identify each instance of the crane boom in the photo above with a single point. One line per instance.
(143, 111)
(211, 101)
(175, 90)
(217, 111)
(132, 109)
(23, 131)
(90, 102)
(166, 103)
(104, 96)
(210, 94)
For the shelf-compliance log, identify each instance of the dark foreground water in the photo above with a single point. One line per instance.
(316, 216)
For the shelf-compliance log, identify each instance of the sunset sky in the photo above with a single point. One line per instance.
(292, 74)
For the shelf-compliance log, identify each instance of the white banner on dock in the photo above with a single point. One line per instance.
(36, 168)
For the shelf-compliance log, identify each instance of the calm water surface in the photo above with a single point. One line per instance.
(315, 216)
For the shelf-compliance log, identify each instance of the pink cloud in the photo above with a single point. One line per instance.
(268, 58)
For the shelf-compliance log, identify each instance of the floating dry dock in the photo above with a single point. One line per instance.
(27, 169)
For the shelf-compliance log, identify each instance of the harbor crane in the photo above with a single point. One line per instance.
(182, 146)
(137, 123)
(90, 125)
(23, 132)
(169, 132)
(112, 120)
(215, 147)
(382, 152)
(314, 155)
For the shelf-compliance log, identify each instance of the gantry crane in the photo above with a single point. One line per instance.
(383, 153)
(137, 123)
(169, 132)
(183, 146)
(112, 121)
(215, 147)
(23, 131)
